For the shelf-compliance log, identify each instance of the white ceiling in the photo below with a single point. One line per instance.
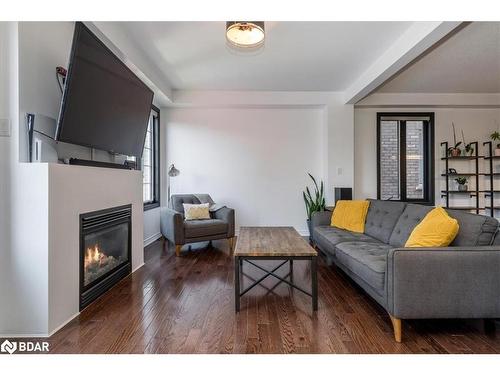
(467, 62)
(298, 56)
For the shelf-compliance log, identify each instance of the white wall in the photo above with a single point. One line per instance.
(5, 166)
(255, 160)
(151, 225)
(23, 265)
(42, 47)
(477, 122)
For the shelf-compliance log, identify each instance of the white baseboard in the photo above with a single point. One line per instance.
(63, 324)
(41, 335)
(302, 232)
(136, 268)
(151, 239)
(28, 336)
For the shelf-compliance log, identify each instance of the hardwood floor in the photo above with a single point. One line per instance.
(186, 305)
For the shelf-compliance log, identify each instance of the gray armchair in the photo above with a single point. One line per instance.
(181, 232)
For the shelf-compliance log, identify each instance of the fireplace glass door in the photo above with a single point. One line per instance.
(105, 250)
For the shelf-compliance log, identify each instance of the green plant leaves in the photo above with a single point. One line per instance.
(316, 204)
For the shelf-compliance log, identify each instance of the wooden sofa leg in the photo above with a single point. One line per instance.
(178, 250)
(396, 324)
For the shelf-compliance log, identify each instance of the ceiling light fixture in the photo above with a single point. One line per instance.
(245, 34)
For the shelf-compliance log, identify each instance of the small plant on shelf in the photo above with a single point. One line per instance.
(462, 183)
(469, 147)
(455, 150)
(495, 136)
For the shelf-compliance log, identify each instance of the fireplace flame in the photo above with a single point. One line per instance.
(94, 257)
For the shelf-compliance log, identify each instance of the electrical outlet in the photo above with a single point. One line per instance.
(4, 127)
(339, 171)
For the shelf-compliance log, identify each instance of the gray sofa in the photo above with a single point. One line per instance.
(459, 281)
(180, 232)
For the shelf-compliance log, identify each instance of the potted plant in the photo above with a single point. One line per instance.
(454, 151)
(314, 202)
(495, 136)
(469, 147)
(462, 181)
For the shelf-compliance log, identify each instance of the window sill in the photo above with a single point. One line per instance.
(151, 205)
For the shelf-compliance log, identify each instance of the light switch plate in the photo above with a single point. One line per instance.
(4, 127)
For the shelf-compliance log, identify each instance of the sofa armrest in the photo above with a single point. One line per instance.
(226, 214)
(321, 218)
(172, 225)
(450, 282)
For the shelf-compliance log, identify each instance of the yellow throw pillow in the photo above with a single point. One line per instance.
(350, 215)
(437, 229)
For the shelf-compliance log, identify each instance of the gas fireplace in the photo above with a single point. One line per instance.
(105, 250)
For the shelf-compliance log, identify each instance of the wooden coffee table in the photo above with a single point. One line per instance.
(271, 243)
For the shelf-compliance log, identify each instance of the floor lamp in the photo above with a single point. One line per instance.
(172, 172)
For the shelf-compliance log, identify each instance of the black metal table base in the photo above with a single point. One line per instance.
(238, 265)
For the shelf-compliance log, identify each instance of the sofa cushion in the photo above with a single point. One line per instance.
(203, 228)
(475, 230)
(327, 237)
(367, 260)
(411, 216)
(381, 218)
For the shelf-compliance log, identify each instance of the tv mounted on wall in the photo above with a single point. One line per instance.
(104, 105)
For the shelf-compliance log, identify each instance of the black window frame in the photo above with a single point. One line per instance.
(429, 157)
(155, 159)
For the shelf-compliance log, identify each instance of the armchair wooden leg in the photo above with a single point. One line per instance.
(396, 324)
(178, 250)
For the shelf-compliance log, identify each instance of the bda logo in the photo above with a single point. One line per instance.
(8, 347)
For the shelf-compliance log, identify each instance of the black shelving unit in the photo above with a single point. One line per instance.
(473, 193)
(490, 193)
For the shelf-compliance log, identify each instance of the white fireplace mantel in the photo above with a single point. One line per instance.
(46, 267)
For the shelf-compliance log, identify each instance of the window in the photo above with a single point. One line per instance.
(405, 157)
(150, 162)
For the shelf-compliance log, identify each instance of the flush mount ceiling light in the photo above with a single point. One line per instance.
(245, 34)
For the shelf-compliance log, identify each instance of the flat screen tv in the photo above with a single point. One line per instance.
(104, 105)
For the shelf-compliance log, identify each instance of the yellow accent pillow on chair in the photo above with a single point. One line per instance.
(350, 215)
(437, 229)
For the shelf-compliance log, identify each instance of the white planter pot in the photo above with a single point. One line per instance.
(497, 151)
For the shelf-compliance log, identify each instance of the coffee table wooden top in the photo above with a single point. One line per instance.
(271, 241)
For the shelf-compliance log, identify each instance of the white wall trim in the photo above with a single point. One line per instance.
(151, 239)
(63, 324)
(252, 99)
(136, 268)
(302, 232)
(443, 100)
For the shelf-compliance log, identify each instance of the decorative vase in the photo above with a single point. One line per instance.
(455, 152)
(310, 231)
(462, 187)
(497, 151)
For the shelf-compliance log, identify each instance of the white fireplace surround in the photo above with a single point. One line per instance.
(49, 281)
